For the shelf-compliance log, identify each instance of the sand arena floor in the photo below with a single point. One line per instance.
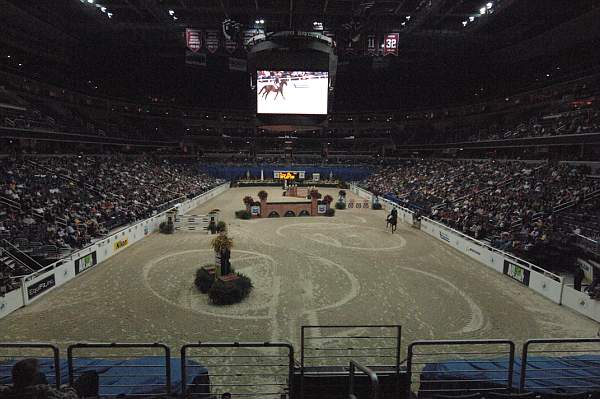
(313, 270)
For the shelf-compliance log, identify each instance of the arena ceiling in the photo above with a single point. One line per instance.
(159, 23)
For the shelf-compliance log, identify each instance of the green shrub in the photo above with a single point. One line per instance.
(221, 227)
(243, 214)
(330, 212)
(166, 228)
(230, 292)
(204, 280)
(340, 205)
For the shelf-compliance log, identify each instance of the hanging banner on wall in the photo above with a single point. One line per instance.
(371, 45)
(121, 244)
(390, 44)
(517, 272)
(85, 262)
(41, 286)
(212, 40)
(231, 46)
(193, 39)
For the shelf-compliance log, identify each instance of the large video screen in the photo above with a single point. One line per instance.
(292, 92)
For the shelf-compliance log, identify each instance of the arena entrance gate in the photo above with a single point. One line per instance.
(326, 351)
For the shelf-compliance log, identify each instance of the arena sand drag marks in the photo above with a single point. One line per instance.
(313, 270)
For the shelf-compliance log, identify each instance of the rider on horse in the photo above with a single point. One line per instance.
(392, 219)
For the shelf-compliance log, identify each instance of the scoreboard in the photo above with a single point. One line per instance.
(290, 175)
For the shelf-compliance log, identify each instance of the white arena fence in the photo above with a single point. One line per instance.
(36, 285)
(538, 279)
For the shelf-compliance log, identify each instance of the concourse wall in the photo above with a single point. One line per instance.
(40, 283)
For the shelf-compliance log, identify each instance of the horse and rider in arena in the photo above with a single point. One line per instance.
(276, 87)
(392, 220)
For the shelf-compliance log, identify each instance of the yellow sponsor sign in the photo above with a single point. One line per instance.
(121, 244)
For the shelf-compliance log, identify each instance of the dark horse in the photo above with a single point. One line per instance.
(266, 89)
(392, 220)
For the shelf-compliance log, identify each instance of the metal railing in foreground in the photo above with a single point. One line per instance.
(46, 354)
(374, 381)
(132, 375)
(575, 355)
(244, 369)
(454, 367)
(327, 349)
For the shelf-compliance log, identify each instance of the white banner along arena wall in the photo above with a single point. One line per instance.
(40, 283)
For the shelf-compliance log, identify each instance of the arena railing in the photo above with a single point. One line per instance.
(575, 355)
(324, 350)
(47, 355)
(520, 261)
(244, 369)
(373, 380)
(155, 365)
(454, 367)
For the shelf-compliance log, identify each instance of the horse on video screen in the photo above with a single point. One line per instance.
(266, 89)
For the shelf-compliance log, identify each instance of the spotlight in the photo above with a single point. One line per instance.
(489, 5)
(262, 21)
(482, 10)
(103, 9)
(465, 23)
(171, 12)
(408, 17)
(471, 18)
(109, 14)
(91, 1)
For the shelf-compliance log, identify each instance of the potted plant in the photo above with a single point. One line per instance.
(221, 227)
(222, 244)
(328, 199)
(248, 201)
(262, 194)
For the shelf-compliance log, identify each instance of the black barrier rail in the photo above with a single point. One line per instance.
(107, 356)
(329, 348)
(46, 354)
(571, 352)
(498, 354)
(244, 369)
(374, 381)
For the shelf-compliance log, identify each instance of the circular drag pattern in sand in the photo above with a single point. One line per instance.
(343, 236)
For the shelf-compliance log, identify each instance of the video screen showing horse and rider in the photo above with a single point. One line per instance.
(292, 92)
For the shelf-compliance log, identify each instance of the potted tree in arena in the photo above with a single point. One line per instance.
(262, 194)
(248, 201)
(222, 245)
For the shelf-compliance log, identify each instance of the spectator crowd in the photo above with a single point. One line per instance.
(512, 204)
(65, 202)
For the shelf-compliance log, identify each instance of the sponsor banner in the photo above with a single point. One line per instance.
(238, 64)
(390, 44)
(444, 236)
(85, 262)
(517, 272)
(193, 40)
(288, 174)
(41, 286)
(321, 208)
(316, 176)
(231, 46)
(255, 210)
(195, 59)
(371, 44)
(212, 40)
(121, 244)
